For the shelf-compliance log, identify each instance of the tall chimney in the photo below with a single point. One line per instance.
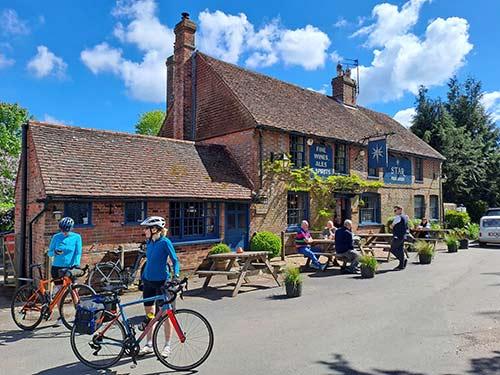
(170, 81)
(181, 88)
(344, 87)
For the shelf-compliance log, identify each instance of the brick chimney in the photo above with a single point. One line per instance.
(179, 75)
(344, 87)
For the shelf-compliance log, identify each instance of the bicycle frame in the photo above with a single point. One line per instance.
(42, 289)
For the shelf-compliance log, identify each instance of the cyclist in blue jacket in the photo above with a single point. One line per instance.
(159, 250)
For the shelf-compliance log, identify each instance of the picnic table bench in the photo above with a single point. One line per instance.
(241, 272)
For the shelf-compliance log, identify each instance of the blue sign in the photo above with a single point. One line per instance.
(398, 171)
(321, 159)
(377, 153)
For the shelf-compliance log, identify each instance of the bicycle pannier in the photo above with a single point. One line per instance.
(88, 317)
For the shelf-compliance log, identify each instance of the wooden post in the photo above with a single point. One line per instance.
(282, 245)
(2, 248)
(122, 256)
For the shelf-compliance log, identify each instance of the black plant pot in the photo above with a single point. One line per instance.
(293, 290)
(452, 248)
(464, 244)
(425, 258)
(367, 272)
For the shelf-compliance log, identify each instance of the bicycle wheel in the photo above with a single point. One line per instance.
(71, 297)
(103, 274)
(194, 350)
(26, 307)
(101, 349)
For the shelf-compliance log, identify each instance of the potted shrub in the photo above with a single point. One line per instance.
(461, 235)
(425, 251)
(472, 231)
(293, 282)
(368, 266)
(266, 241)
(221, 248)
(451, 243)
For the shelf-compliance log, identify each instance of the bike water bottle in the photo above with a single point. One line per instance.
(146, 321)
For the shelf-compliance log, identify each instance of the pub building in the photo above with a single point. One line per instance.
(205, 171)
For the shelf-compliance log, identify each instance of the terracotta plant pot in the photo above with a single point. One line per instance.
(452, 248)
(221, 265)
(425, 258)
(293, 290)
(464, 244)
(367, 272)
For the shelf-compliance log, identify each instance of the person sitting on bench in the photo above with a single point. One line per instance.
(303, 242)
(344, 247)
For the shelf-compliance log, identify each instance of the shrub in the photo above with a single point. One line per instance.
(369, 261)
(220, 248)
(424, 248)
(413, 223)
(292, 276)
(455, 219)
(435, 226)
(460, 233)
(266, 241)
(389, 222)
(472, 231)
(6, 218)
(451, 240)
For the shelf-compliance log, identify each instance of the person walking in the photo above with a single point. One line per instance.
(399, 229)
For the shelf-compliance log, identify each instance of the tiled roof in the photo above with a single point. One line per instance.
(86, 162)
(287, 107)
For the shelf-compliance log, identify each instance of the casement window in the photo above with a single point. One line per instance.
(369, 211)
(373, 172)
(193, 220)
(297, 151)
(135, 212)
(297, 208)
(419, 206)
(340, 162)
(434, 207)
(419, 170)
(80, 212)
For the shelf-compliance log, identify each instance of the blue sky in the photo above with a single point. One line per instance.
(100, 64)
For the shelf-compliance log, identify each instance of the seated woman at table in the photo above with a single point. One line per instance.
(303, 241)
(424, 228)
(344, 246)
(329, 231)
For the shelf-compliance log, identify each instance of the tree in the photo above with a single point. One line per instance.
(150, 123)
(12, 116)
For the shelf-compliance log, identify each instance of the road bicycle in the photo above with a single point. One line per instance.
(100, 337)
(113, 272)
(31, 304)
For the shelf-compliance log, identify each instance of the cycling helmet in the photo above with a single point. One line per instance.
(66, 224)
(154, 221)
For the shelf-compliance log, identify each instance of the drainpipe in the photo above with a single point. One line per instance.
(261, 166)
(30, 236)
(21, 261)
(193, 96)
(441, 205)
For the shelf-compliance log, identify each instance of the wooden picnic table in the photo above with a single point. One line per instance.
(248, 257)
(377, 241)
(435, 233)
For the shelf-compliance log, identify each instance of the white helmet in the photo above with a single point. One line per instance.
(154, 221)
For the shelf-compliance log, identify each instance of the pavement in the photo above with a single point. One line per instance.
(438, 319)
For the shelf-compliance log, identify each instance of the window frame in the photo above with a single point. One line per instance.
(181, 207)
(89, 211)
(436, 209)
(377, 209)
(336, 158)
(296, 141)
(419, 170)
(422, 208)
(144, 210)
(304, 209)
(375, 176)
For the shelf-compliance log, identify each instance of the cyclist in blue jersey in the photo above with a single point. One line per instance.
(159, 250)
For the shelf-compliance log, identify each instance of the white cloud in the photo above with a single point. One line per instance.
(341, 22)
(405, 116)
(322, 90)
(102, 58)
(335, 57)
(5, 62)
(403, 61)
(491, 103)
(45, 63)
(10, 23)
(52, 120)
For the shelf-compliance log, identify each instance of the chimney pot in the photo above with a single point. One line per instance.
(185, 15)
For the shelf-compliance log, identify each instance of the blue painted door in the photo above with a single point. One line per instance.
(236, 225)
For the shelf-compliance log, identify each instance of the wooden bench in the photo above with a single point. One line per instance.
(330, 255)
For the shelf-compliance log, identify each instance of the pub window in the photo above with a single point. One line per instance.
(340, 163)
(80, 212)
(193, 220)
(297, 208)
(419, 169)
(135, 212)
(369, 212)
(434, 207)
(419, 206)
(373, 172)
(298, 151)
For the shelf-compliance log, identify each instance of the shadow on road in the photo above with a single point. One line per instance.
(486, 366)
(215, 293)
(7, 337)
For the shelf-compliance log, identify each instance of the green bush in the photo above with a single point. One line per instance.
(472, 231)
(6, 218)
(292, 276)
(451, 240)
(424, 248)
(220, 248)
(369, 261)
(455, 219)
(435, 226)
(266, 241)
(460, 233)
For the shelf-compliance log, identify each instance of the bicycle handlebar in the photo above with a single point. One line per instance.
(174, 287)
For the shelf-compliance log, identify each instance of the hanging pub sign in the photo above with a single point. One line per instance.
(377, 153)
(398, 171)
(321, 159)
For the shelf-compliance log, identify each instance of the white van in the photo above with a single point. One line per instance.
(489, 230)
